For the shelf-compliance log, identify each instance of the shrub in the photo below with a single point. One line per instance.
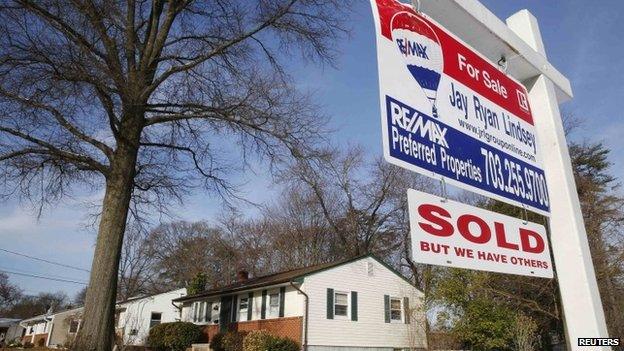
(176, 336)
(257, 340)
(282, 344)
(15, 343)
(262, 340)
(216, 342)
(233, 341)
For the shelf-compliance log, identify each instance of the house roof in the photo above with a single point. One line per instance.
(7, 322)
(44, 317)
(38, 318)
(280, 278)
(141, 297)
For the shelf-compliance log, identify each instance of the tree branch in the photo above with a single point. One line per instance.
(71, 157)
(60, 118)
(219, 50)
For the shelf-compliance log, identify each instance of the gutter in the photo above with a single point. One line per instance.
(177, 308)
(304, 343)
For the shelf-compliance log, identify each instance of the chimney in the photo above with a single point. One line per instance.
(242, 275)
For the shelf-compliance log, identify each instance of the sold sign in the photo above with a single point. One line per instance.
(449, 233)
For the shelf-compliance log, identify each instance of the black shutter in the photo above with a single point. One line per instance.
(263, 309)
(354, 306)
(282, 301)
(387, 308)
(225, 312)
(250, 306)
(208, 312)
(406, 308)
(330, 303)
(234, 308)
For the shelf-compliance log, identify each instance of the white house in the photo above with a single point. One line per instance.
(357, 304)
(136, 316)
(10, 330)
(52, 330)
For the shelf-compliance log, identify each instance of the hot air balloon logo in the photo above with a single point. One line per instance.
(420, 48)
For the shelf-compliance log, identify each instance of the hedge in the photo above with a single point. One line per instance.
(261, 340)
(176, 336)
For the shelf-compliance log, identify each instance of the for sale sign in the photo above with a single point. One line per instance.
(448, 112)
(449, 233)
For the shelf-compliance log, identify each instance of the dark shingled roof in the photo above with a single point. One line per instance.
(271, 279)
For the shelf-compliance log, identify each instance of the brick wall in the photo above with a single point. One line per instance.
(285, 327)
(37, 339)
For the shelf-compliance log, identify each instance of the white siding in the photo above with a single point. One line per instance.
(370, 330)
(40, 327)
(14, 332)
(138, 314)
(59, 332)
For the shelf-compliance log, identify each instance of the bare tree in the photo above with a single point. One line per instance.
(143, 98)
(363, 203)
(79, 298)
(136, 276)
(603, 213)
(298, 232)
(181, 250)
(9, 293)
(28, 305)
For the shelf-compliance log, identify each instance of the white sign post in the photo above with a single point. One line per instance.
(584, 315)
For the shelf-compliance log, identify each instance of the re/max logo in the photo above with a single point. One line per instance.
(411, 48)
(416, 123)
(598, 341)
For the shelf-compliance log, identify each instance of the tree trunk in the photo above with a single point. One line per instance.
(97, 329)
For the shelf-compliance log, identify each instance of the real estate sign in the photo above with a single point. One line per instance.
(449, 233)
(448, 112)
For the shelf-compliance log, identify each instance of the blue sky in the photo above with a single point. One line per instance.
(582, 38)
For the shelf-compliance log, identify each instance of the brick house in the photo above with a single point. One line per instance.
(356, 304)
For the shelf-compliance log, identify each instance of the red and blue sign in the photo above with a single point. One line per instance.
(448, 112)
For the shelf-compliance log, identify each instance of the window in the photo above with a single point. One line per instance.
(196, 311)
(396, 310)
(208, 312)
(205, 312)
(155, 319)
(244, 304)
(341, 304)
(274, 301)
(202, 312)
(243, 308)
(73, 326)
(215, 313)
(370, 269)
